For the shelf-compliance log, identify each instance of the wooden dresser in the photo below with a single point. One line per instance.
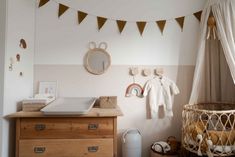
(90, 135)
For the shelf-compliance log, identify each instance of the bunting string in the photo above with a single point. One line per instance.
(81, 15)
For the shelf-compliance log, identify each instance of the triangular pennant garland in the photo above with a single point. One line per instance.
(81, 16)
(161, 25)
(101, 21)
(62, 9)
(121, 25)
(180, 21)
(141, 25)
(42, 3)
(198, 15)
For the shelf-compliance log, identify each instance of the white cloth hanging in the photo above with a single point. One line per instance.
(207, 87)
(159, 91)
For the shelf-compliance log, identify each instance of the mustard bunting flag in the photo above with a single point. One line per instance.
(42, 3)
(141, 25)
(180, 21)
(101, 21)
(198, 15)
(81, 16)
(121, 25)
(62, 9)
(161, 25)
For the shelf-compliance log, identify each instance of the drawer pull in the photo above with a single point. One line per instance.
(39, 150)
(93, 149)
(40, 127)
(93, 126)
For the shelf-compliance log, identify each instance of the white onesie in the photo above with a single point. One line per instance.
(160, 91)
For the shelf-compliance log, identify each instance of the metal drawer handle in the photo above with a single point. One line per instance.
(40, 127)
(39, 150)
(93, 149)
(93, 126)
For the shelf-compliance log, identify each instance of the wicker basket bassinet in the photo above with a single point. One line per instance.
(209, 129)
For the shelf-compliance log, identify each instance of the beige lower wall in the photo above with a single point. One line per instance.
(74, 80)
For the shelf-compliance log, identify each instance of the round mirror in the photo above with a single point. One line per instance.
(97, 60)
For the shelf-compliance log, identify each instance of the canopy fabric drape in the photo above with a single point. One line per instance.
(214, 76)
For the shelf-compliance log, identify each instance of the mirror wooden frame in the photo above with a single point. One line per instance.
(93, 49)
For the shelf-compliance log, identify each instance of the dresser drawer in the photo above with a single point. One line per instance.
(66, 128)
(66, 148)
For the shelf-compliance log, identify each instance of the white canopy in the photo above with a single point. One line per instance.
(214, 77)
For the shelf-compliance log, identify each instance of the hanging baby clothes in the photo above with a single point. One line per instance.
(160, 90)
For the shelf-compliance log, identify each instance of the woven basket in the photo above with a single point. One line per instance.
(211, 121)
(108, 101)
(32, 107)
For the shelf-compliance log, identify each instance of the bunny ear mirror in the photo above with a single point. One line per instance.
(97, 59)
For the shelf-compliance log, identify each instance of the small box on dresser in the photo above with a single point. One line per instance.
(108, 101)
(32, 105)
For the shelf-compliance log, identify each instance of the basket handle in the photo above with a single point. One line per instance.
(125, 133)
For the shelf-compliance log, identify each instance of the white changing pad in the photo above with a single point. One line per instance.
(70, 106)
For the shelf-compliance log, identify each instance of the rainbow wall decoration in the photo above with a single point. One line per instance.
(134, 89)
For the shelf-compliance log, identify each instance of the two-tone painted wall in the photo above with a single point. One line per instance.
(61, 45)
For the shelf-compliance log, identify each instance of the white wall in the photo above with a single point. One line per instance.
(61, 45)
(2, 61)
(63, 41)
(20, 21)
(75, 81)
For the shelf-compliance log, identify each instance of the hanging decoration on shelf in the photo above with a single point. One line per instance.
(121, 23)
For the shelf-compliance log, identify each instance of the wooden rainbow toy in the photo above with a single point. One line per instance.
(134, 89)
